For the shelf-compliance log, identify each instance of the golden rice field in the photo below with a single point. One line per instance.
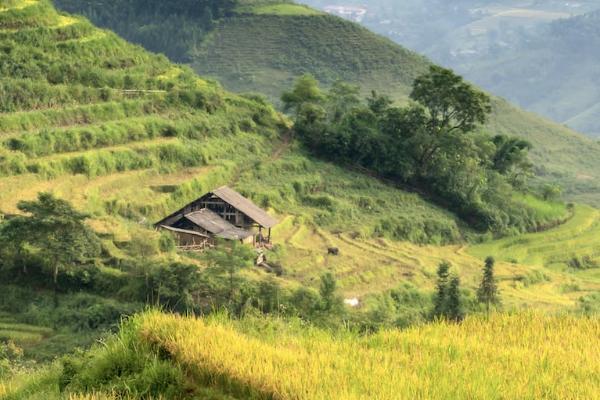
(523, 356)
(366, 265)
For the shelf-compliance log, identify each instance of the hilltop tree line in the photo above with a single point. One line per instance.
(433, 144)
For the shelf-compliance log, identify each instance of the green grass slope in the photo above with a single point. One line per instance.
(79, 104)
(258, 51)
(525, 356)
(256, 47)
(128, 137)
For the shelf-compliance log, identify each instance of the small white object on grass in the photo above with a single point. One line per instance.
(354, 302)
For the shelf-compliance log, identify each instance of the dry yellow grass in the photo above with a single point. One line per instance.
(525, 356)
(18, 5)
(92, 396)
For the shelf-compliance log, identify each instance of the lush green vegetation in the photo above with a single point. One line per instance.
(121, 137)
(177, 357)
(431, 144)
(265, 53)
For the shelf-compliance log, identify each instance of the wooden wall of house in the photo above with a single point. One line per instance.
(192, 242)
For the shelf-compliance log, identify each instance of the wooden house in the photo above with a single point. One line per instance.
(220, 214)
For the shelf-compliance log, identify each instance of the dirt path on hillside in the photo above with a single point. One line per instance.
(278, 151)
(285, 144)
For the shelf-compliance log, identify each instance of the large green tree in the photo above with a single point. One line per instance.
(452, 107)
(55, 232)
(431, 144)
(305, 90)
(451, 103)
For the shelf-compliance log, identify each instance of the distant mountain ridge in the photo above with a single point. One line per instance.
(553, 71)
(541, 56)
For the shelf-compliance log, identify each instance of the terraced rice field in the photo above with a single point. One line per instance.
(367, 266)
(579, 237)
(104, 126)
(21, 334)
(523, 356)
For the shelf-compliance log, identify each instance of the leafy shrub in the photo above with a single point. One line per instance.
(584, 262)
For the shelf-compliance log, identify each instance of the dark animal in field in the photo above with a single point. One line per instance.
(334, 251)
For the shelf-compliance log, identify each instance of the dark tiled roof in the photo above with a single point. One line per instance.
(213, 223)
(246, 206)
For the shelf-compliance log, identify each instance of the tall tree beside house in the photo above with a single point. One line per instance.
(488, 290)
(55, 232)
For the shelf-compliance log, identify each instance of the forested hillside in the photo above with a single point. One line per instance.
(263, 46)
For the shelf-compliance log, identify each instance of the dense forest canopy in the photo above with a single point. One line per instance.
(431, 144)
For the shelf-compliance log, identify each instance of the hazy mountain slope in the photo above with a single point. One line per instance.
(552, 71)
(260, 48)
(523, 51)
(262, 52)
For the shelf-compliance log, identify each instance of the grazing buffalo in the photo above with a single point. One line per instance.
(334, 251)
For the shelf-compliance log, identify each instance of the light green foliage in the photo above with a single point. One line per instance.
(228, 259)
(288, 9)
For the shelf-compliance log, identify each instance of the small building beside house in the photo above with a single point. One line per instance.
(220, 214)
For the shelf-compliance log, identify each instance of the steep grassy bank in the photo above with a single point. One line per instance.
(490, 358)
